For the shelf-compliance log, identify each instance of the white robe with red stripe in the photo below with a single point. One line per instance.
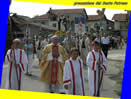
(95, 75)
(74, 77)
(13, 81)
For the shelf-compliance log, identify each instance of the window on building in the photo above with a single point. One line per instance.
(43, 22)
(54, 24)
(19, 35)
(53, 18)
(124, 25)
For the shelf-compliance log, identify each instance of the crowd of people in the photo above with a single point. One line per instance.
(61, 62)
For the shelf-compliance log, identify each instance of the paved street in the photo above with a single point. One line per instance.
(111, 78)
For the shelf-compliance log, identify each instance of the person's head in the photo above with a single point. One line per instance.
(40, 38)
(84, 36)
(55, 39)
(88, 35)
(16, 43)
(96, 45)
(28, 40)
(68, 34)
(78, 36)
(47, 37)
(105, 35)
(74, 53)
(97, 35)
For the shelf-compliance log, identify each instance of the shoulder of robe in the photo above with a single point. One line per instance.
(8, 51)
(67, 61)
(48, 46)
(60, 46)
(90, 53)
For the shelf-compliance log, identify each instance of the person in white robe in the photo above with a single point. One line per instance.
(73, 75)
(17, 61)
(97, 64)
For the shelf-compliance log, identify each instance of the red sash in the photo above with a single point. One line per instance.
(97, 93)
(54, 65)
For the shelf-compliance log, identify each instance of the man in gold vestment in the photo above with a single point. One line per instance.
(52, 65)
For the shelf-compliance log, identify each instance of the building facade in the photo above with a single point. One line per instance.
(73, 20)
(121, 22)
(100, 24)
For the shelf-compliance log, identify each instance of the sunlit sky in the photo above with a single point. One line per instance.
(33, 9)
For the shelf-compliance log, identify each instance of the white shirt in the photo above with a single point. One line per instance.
(105, 40)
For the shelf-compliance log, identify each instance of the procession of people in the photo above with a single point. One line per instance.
(62, 66)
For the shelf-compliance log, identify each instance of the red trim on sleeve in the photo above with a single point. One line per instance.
(66, 81)
(99, 86)
(94, 59)
(73, 75)
(7, 57)
(81, 77)
(102, 61)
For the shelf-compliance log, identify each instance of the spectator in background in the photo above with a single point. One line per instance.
(105, 44)
(84, 47)
(28, 47)
(40, 45)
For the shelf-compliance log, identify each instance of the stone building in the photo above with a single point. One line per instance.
(73, 20)
(121, 22)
